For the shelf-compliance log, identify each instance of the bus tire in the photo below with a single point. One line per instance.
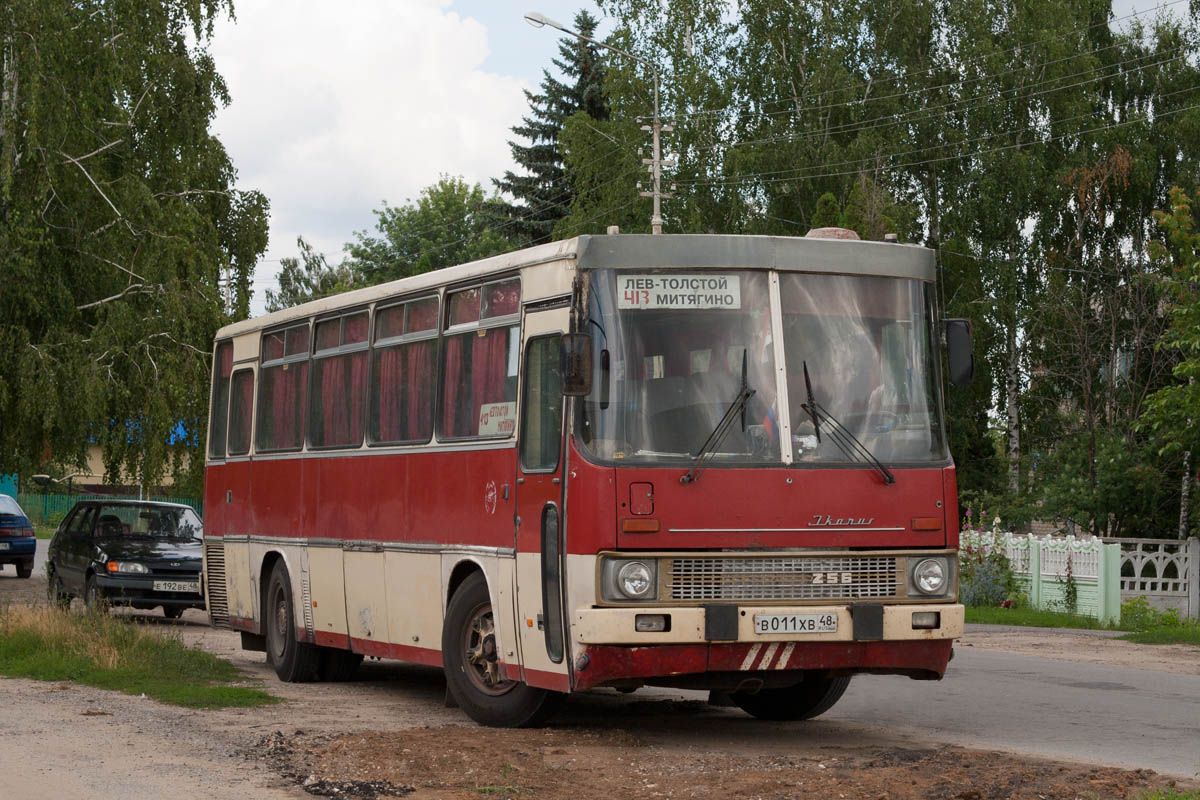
(471, 661)
(294, 661)
(339, 665)
(810, 698)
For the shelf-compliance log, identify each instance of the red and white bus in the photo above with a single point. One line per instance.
(713, 462)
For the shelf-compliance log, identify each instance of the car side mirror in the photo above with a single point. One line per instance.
(959, 351)
(576, 364)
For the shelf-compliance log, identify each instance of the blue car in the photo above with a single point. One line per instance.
(17, 544)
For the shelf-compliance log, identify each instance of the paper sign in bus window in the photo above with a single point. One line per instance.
(497, 419)
(707, 290)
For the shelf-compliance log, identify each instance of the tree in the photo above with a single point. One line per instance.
(118, 219)
(543, 195)
(1171, 412)
(308, 277)
(448, 224)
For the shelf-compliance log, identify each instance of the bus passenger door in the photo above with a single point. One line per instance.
(539, 503)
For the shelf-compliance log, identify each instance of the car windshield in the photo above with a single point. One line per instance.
(157, 522)
(670, 348)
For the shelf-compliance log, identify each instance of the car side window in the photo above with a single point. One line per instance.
(81, 523)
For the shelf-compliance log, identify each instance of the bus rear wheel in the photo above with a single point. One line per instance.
(810, 698)
(470, 654)
(294, 661)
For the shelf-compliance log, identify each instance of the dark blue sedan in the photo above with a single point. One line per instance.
(17, 543)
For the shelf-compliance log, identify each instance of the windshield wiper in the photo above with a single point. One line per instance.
(718, 435)
(841, 436)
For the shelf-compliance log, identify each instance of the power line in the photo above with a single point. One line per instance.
(931, 70)
(734, 181)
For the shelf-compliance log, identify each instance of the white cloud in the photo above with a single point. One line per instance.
(339, 106)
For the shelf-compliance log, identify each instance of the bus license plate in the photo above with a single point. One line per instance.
(177, 586)
(795, 623)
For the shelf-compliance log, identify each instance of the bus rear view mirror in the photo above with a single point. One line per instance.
(576, 364)
(959, 351)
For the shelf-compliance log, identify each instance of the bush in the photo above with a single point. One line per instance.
(985, 575)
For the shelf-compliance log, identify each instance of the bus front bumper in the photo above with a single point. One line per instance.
(892, 639)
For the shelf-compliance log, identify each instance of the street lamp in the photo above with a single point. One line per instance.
(46, 480)
(539, 20)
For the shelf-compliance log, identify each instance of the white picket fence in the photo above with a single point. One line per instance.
(1047, 566)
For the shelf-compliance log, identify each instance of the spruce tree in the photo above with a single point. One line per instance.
(543, 194)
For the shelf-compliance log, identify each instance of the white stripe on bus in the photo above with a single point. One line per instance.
(751, 656)
(786, 657)
(769, 656)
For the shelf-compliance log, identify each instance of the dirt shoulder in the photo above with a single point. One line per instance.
(1085, 647)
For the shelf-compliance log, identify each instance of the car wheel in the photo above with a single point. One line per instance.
(339, 665)
(173, 612)
(93, 599)
(25, 569)
(293, 660)
(812, 697)
(56, 592)
(470, 654)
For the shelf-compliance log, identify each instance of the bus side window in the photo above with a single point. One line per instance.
(541, 413)
(240, 406)
(220, 399)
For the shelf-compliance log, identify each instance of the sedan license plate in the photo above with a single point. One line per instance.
(177, 586)
(795, 623)
(4, 545)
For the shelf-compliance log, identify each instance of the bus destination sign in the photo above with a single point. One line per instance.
(705, 290)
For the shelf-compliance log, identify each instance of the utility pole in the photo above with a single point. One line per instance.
(655, 163)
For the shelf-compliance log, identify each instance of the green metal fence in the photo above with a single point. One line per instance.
(49, 509)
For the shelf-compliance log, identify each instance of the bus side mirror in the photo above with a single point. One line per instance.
(576, 364)
(959, 352)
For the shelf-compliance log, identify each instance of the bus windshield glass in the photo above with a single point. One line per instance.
(671, 347)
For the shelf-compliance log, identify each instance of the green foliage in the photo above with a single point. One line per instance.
(109, 653)
(1171, 411)
(543, 195)
(985, 575)
(118, 219)
(828, 213)
(448, 224)
(309, 277)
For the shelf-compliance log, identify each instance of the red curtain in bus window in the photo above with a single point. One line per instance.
(386, 401)
(454, 421)
(287, 405)
(418, 358)
(342, 382)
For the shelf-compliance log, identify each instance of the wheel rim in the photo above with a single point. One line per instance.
(276, 632)
(481, 660)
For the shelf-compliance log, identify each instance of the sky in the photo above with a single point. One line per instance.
(340, 106)
(337, 107)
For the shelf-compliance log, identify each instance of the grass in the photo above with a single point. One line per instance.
(1032, 617)
(47, 644)
(43, 531)
(1183, 634)
(1169, 794)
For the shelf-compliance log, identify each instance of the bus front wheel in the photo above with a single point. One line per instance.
(474, 674)
(810, 698)
(293, 660)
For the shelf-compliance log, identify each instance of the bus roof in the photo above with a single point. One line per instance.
(665, 251)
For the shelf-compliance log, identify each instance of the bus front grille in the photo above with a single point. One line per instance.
(215, 586)
(783, 579)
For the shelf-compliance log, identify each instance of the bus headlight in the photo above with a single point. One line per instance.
(930, 576)
(630, 580)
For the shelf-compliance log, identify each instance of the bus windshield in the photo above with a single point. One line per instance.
(672, 349)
